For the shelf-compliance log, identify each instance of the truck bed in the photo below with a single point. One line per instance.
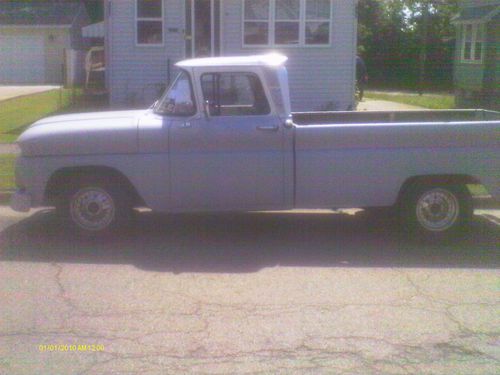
(370, 117)
(363, 158)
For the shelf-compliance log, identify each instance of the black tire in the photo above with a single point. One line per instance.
(94, 207)
(436, 213)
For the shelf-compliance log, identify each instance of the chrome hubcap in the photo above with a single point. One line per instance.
(92, 209)
(437, 210)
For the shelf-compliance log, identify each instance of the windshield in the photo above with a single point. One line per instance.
(178, 100)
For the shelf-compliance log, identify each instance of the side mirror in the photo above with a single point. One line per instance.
(206, 109)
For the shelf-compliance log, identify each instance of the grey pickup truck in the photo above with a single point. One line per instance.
(223, 138)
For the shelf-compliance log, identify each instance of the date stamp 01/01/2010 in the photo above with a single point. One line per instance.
(71, 348)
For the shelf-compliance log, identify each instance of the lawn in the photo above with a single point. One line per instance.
(431, 101)
(17, 113)
(7, 171)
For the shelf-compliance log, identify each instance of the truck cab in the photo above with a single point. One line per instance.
(227, 120)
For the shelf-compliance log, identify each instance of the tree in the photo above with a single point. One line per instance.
(407, 43)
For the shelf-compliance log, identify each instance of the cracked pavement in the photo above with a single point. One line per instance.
(292, 293)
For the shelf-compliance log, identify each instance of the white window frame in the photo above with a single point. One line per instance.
(156, 19)
(271, 21)
(476, 26)
(306, 20)
(270, 27)
(274, 19)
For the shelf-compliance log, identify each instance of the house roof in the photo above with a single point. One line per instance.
(272, 59)
(477, 14)
(22, 13)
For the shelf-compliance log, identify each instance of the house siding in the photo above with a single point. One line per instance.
(477, 83)
(136, 73)
(320, 77)
(492, 62)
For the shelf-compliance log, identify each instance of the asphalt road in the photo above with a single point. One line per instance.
(289, 293)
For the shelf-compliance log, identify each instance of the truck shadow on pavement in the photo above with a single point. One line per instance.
(248, 242)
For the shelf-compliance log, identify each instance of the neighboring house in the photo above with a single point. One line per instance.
(33, 37)
(477, 57)
(145, 38)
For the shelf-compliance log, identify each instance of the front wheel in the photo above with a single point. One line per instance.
(95, 208)
(437, 212)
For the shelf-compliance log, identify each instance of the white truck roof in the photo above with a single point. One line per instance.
(272, 60)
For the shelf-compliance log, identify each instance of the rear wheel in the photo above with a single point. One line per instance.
(437, 212)
(94, 207)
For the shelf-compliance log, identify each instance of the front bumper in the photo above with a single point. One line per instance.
(20, 201)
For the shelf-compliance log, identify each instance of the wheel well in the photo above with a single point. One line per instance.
(437, 180)
(59, 182)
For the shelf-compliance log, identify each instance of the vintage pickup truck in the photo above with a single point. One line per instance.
(223, 138)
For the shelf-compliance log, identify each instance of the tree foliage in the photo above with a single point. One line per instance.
(402, 41)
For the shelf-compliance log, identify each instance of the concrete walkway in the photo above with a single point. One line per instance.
(385, 105)
(9, 92)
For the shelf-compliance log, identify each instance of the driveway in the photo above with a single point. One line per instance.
(9, 92)
(311, 292)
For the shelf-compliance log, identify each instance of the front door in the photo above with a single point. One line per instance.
(203, 28)
(233, 159)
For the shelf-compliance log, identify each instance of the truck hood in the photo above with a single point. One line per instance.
(82, 134)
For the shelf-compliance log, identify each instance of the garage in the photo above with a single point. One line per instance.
(34, 38)
(22, 59)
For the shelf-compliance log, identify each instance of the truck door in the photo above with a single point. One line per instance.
(233, 158)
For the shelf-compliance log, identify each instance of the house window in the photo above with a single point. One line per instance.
(472, 42)
(286, 22)
(317, 22)
(256, 22)
(149, 22)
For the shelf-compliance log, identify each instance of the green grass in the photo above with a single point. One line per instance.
(7, 171)
(477, 190)
(17, 113)
(431, 101)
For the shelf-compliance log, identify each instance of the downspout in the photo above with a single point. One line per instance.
(355, 52)
(108, 47)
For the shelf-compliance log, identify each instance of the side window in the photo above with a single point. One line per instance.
(178, 100)
(149, 22)
(234, 94)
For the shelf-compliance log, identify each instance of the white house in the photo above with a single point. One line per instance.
(33, 37)
(145, 38)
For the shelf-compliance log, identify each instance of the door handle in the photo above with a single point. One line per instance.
(268, 128)
(186, 125)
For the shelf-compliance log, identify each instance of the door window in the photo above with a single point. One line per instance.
(178, 100)
(234, 94)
